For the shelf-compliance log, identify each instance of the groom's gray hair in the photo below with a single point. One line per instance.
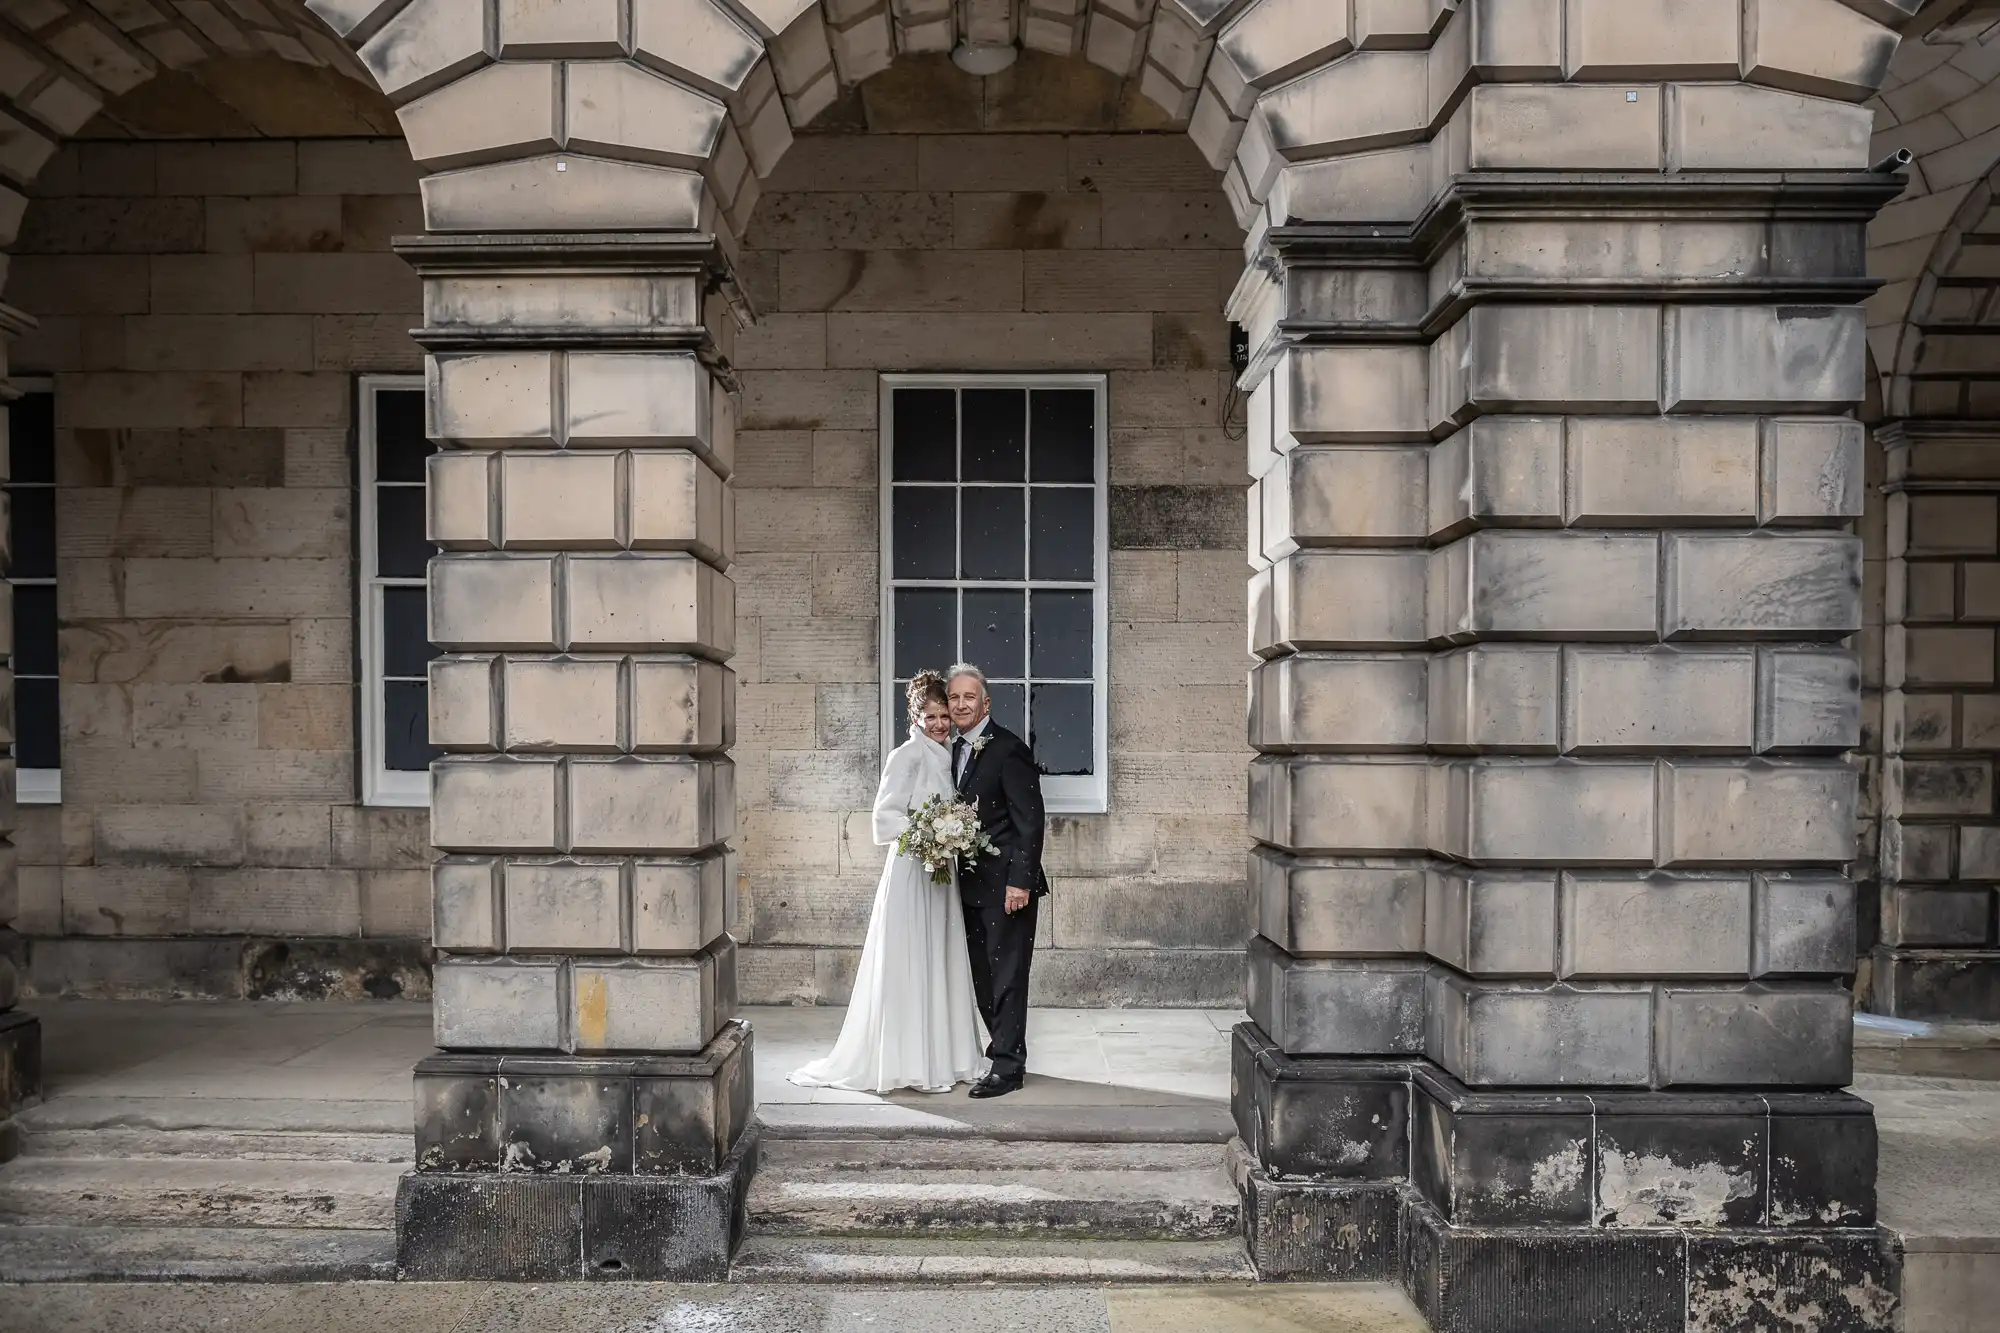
(967, 669)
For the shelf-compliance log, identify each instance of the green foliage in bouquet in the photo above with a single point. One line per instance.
(944, 830)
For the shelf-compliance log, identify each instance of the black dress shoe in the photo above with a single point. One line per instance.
(994, 1087)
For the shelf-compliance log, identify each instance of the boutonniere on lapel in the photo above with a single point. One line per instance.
(979, 743)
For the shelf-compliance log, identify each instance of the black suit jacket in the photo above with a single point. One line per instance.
(1001, 780)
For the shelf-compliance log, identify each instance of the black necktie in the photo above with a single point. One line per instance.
(957, 752)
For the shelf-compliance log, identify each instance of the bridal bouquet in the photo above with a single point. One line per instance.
(941, 830)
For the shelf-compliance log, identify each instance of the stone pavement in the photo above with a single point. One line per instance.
(645, 1308)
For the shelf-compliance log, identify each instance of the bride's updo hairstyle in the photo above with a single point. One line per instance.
(926, 687)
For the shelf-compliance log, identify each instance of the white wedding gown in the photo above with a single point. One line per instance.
(912, 1021)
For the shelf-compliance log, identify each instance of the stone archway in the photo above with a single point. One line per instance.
(1555, 325)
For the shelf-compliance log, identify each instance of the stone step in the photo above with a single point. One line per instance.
(945, 1188)
(187, 1191)
(216, 1144)
(195, 1254)
(837, 1260)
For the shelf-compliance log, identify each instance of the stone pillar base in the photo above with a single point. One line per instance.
(538, 1168)
(20, 1075)
(1555, 1210)
(460, 1226)
(1943, 985)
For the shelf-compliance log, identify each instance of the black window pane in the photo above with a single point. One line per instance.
(31, 438)
(400, 549)
(1062, 435)
(31, 527)
(1010, 707)
(1063, 730)
(1063, 543)
(995, 434)
(1062, 632)
(926, 447)
(37, 724)
(35, 630)
(400, 445)
(926, 533)
(926, 630)
(406, 740)
(406, 647)
(996, 632)
(993, 530)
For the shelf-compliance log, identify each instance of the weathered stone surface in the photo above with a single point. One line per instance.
(1336, 1006)
(1322, 907)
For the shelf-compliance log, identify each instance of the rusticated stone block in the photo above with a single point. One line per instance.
(1802, 925)
(1344, 1119)
(1811, 471)
(1738, 127)
(1321, 907)
(1338, 599)
(1339, 805)
(1322, 496)
(681, 703)
(565, 906)
(1492, 923)
(1336, 1006)
(1626, 699)
(1501, 584)
(654, 1004)
(1635, 926)
(569, 704)
(1349, 393)
(1656, 471)
(1499, 470)
(499, 1004)
(1808, 699)
(1500, 812)
(466, 912)
(626, 399)
(1350, 701)
(1756, 813)
(1753, 1035)
(464, 703)
(681, 906)
(459, 495)
(560, 501)
(492, 400)
(1555, 127)
(1763, 358)
(493, 602)
(497, 805)
(1797, 586)
(1493, 1034)
(1937, 915)
(1495, 698)
(1556, 358)
(678, 503)
(643, 603)
(649, 805)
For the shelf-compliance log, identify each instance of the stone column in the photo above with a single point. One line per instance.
(1938, 957)
(1554, 505)
(20, 1032)
(590, 1116)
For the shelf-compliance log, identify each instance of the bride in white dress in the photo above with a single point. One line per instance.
(913, 1021)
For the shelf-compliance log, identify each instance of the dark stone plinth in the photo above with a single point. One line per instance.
(1945, 985)
(1334, 1118)
(634, 1115)
(518, 1227)
(20, 1074)
(1319, 1231)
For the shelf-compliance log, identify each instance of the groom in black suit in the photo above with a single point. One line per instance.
(994, 769)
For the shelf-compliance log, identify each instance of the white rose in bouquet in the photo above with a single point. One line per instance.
(943, 831)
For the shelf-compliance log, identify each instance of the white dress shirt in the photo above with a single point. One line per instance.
(963, 759)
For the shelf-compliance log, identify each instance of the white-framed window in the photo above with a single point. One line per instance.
(995, 552)
(31, 580)
(393, 553)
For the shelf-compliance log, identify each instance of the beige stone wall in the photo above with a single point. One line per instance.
(887, 252)
(204, 308)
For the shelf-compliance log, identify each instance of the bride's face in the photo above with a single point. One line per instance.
(935, 719)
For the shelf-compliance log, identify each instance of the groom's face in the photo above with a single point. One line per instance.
(968, 701)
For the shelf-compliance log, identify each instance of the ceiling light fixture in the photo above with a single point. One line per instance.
(983, 58)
